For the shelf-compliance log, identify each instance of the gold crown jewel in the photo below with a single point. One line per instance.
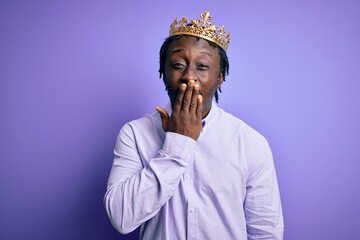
(201, 28)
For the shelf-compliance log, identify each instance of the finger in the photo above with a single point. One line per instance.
(194, 99)
(187, 96)
(199, 108)
(179, 99)
(164, 116)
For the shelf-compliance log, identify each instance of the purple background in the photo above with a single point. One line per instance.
(73, 72)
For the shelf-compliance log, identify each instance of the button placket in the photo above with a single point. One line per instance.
(191, 221)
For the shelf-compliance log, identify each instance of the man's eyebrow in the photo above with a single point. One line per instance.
(177, 50)
(207, 53)
(181, 50)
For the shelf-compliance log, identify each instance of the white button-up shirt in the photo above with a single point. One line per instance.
(222, 186)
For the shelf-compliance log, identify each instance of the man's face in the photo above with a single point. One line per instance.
(189, 58)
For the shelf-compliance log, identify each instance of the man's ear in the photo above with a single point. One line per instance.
(221, 79)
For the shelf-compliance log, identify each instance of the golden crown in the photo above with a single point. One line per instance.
(201, 28)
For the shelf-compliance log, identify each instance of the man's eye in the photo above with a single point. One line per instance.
(202, 66)
(178, 65)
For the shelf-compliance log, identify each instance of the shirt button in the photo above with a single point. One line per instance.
(191, 210)
(187, 177)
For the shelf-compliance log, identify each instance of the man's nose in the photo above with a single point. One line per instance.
(189, 74)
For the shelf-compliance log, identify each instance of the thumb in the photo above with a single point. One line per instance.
(164, 116)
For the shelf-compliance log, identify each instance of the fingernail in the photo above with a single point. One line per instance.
(183, 86)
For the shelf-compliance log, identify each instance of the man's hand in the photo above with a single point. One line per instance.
(187, 112)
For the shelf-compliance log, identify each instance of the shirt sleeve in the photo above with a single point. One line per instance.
(135, 192)
(263, 209)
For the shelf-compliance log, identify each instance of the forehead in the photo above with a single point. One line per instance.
(193, 45)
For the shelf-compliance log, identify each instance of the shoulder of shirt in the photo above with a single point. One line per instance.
(239, 125)
(150, 120)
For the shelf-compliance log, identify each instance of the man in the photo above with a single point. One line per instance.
(193, 171)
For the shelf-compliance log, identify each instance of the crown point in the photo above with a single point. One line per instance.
(195, 23)
(183, 21)
(206, 15)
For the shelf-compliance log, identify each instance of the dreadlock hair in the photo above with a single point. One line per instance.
(224, 62)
